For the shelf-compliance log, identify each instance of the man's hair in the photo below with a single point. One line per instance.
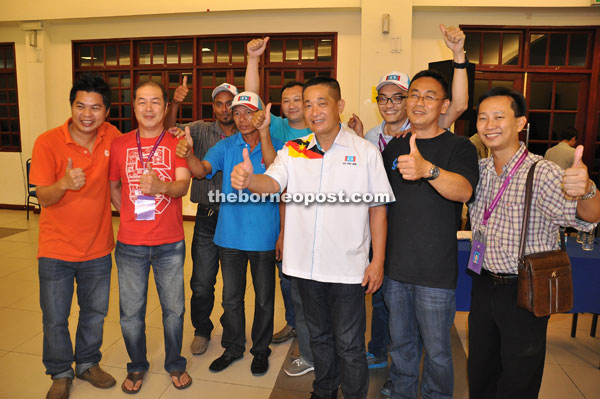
(517, 101)
(430, 73)
(333, 85)
(568, 133)
(91, 83)
(165, 95)
(293, 83)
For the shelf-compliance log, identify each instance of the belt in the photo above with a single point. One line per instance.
(503, 279)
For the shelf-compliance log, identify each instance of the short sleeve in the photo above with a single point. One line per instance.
(277, 128)
(464, 162)
(553, 203)
(378, 181)
(278, 170)
(114, 171)
(43, 164)
(216, 158)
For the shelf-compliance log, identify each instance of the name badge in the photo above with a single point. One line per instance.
(477, 252)
(145, 207)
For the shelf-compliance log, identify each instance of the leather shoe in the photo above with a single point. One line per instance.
(260, 364)
(60, 389)
(285, 334)
(223, 362)
(199, 345)
(97, 377)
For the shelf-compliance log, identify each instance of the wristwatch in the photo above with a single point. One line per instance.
(434, 172)
(461, 65)
(592, 192)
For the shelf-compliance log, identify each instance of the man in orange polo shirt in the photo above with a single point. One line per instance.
(70, 169)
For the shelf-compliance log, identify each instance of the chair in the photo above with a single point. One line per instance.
(31, 190)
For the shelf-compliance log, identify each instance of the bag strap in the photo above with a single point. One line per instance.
(528, 195)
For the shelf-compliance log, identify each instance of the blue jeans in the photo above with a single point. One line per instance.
(56, 293)
(205, 257)
(336, 319)
(420, 317)
(133, 263)
(302, 334)
(234, 265)
(286, 293)
(380, 326)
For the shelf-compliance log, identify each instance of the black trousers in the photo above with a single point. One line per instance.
(507, 345)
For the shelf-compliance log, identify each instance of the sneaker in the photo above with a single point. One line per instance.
(285, 334)
(223, 362)
(376, 362)
(199, 345)
(97, 377)
(386, 389)
(59, 389)
(298, 367)
(260, 364)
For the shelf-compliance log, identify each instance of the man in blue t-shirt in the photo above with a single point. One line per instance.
(289, 128)
(246, 230)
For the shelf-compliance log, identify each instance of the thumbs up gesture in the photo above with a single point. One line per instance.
(413, 166)
(262, 119)
(256, 47)
(576, 181)
(240, 176)
(181, 92)
(74, 178)
(185, 147)
(150, 184)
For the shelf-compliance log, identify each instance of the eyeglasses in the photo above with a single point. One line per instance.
(395, 99)
(427, 99)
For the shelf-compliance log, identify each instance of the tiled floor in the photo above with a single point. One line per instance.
(571, 364)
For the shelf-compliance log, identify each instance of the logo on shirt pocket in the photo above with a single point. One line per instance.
(350, 160)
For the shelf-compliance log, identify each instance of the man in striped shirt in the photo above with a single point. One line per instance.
(507, 344)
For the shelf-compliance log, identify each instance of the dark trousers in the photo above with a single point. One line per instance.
(507, 345)
(234, 265)
(335, 316)
(205, 257)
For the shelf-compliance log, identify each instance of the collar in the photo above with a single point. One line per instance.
(238, 139)
(509, 164)
(405, 126)
(341, 138)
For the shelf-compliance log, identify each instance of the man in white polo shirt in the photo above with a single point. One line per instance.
(327, 241)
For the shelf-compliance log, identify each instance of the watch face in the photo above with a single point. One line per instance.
(434, 172)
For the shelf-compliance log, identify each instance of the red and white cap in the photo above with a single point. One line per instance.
(399, 79)
(224, 87)
(247, 99)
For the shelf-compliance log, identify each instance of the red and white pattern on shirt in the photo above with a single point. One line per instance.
(161, 164)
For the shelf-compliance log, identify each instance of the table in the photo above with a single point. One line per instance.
(586, 277)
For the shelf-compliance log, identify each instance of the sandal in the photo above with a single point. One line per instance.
(133, 377)
(177, 374)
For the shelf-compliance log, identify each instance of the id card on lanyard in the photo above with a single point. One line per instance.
(479, 239)
(145, 205)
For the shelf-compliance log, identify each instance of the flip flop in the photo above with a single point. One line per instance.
(177, 374)
(133, 377)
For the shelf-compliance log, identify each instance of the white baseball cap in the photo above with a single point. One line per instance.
(247, 99)
(224, 87)
(399, 79)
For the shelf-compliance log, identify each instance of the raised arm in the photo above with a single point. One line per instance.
(255, 48)
(455, 41)
(150, 184)
(261, 121)
(180, 94)
(243, 177)
(576, 183)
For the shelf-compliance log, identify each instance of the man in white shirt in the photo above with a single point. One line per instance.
(327, 242)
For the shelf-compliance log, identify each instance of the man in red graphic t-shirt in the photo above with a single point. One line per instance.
(147, 182)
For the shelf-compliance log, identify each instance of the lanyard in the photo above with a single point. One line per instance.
(139, 146)
(496, 200)
(382, 143)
